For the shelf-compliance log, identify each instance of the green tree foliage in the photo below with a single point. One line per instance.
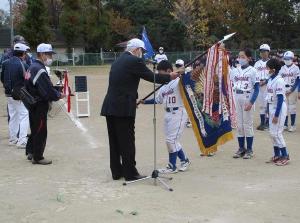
(70, 22)
(35, 26)
(162, 28)
(120, 28)
(192, 14)
(173, 24)
(4, 19)
(95, 26)
(256, 21)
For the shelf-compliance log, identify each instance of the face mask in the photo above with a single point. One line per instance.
(48, 62)
(161, 51)
(29, 54)
(242, 62)
(140, 54)
(288, 62)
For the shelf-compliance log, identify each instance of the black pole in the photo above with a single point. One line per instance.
(188, 64)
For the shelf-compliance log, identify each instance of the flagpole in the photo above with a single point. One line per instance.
(190, 63)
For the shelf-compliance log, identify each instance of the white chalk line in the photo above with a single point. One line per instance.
(89, 138)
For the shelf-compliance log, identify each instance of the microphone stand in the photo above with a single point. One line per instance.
(155, 173)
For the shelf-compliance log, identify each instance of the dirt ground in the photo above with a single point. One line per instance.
(78, 187)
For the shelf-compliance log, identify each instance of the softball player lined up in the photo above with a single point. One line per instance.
(277, 112)
(174, 121)
(246, 89)
(263, 75)
(290, 73)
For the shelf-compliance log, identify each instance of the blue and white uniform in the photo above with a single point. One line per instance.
(245, 86)
(276, 88)
(174, 121)
(263, 75)
(290, 75)
(277, 109)
(13, 76)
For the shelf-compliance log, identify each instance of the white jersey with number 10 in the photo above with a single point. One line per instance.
(169, 94)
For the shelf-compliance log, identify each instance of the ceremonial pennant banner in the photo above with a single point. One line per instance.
(207, 95)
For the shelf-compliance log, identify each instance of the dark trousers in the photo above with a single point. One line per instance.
(38, 125)
(122, 146)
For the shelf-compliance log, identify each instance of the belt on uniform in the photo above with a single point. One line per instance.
(241, 92)
(287, 85)
(172, 109)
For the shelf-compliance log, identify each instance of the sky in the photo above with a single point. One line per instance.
(4, 4)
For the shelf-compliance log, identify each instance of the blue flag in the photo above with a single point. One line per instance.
(150, 52)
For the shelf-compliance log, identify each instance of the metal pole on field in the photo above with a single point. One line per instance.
(73, 56)
(101, 56)
(11, 23)
(83, 58)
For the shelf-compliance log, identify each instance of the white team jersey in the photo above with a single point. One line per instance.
(169, 95)
(275, 87)
(244, 79)
(160, 57)
(289, 74)
(262, 71)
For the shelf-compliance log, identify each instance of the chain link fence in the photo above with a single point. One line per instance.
(96, 59)
(87, 59)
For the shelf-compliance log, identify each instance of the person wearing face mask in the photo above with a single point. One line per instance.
(290, 73)
(13, 77)
(246, 88)
(277, 112)
(119, 107)
(160, 56)
(39, 85)
(262, 72)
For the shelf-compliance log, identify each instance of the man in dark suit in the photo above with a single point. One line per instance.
(119, 107)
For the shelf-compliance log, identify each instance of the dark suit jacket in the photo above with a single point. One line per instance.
(124, 79)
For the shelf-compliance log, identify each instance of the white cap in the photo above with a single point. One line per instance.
(288, 55)
(179, 62)
(136, 43)
(265, 47)
(44, 48)
(21, 47)
(161, 48)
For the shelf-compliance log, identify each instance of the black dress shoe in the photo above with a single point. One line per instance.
(117, 177)
(42, 162)
(29, 156)
(136, 177)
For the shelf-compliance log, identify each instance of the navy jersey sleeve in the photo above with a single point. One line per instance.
(46, 89)
(255, 93)
(2, 72)
(145, 73)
